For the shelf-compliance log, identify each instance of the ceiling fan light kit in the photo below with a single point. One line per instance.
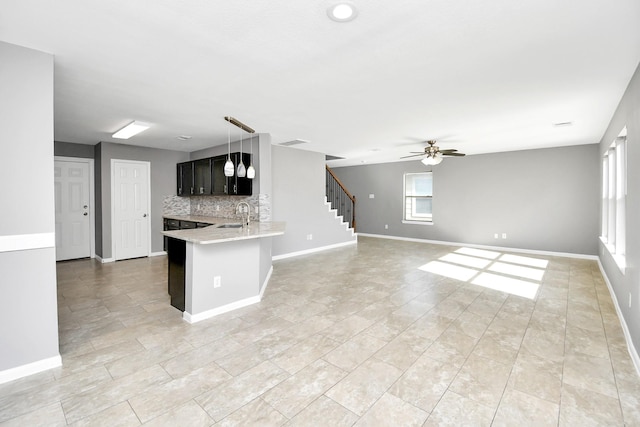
(433, 154)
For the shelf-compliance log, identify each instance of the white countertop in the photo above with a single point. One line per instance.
(212, 234)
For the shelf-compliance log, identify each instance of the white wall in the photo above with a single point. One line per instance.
(298, 179)
(28, 298)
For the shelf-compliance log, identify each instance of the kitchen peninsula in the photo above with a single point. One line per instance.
(220, 267)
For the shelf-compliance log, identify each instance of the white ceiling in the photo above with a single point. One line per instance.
(481, 76)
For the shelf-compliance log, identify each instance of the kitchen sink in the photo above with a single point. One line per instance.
(230, 226)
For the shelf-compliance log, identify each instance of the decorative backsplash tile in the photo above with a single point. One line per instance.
(174, 205)
(218, 206)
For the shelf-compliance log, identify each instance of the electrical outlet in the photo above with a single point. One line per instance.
(217, 207)
(217, 281)
(504, 235)
(256, 209)
(309, 236)
(386, 226)
(495, 235)
(372, 196)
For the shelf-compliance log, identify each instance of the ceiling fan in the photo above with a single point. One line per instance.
(433, 153)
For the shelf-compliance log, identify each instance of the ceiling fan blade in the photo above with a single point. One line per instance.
(453, 154)
(451, 150)
(413, 155)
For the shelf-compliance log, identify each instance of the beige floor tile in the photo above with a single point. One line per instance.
(304, 353)
(590, 373)
(120, 415)
(520, 409)
(51, 415)
(352, 353)
(537, 376)
(298, 391)
(362, 387)
(254, 413)
(189, 414)
(100, 398)
(238, 391)
(482, 380)
(392, 411)
(583, 407)
(454, 410)
(323, 412)
(425, 382)
(159, 400)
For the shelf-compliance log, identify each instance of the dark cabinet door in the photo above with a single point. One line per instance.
(185, 179)
(219, 180)
(176, 249)
(240, 186)
(202, 176)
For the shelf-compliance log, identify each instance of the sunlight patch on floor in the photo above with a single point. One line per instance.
(513, 274)
(506, 284)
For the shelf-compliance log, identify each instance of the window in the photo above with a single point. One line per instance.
(614, 193)
(418, 197)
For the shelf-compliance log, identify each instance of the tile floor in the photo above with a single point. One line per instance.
(353, 336)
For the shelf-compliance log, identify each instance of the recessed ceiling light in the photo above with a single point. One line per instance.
(131, 129)
(183, 137)
(342, 12)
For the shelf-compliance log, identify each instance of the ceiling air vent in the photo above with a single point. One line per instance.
(294, 142)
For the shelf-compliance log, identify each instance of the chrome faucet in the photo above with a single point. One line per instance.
(239, 211)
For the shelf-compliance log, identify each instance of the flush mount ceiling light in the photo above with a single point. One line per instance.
(342, 12)
(130, 130)
(183, 137)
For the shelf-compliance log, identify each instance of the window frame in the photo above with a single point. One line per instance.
(415, 218)
(614, 194)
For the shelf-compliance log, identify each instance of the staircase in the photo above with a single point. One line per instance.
(340, 200)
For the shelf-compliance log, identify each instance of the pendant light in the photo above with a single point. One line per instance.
(251, 171)
(242, 171)
(228, 166)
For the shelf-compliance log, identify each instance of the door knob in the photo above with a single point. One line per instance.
(144, 215)
(85, 214)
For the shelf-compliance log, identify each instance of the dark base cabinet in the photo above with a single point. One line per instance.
(177, 252)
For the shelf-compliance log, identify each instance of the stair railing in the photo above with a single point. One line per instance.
(340, 198)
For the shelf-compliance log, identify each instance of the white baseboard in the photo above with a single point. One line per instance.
(495, 248)
(30, 369)
(314, 250)
(194, 318)
(104, 260)
(161, 253)
(623, 323)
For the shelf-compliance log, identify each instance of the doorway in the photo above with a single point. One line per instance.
(74, 208)
(130, 216)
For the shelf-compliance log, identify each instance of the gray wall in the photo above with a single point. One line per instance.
(69, 149)
(163, 183)
(543, 199)
(28, 301)
(298, 199)
(627, 114)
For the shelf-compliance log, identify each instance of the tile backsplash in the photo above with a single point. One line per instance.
(218, 206)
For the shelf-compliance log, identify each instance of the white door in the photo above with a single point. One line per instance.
(130, 201)
(73, 215)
